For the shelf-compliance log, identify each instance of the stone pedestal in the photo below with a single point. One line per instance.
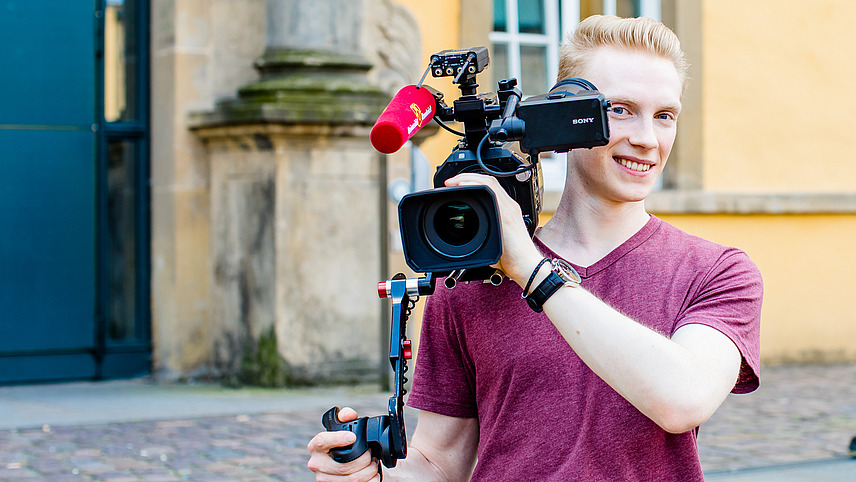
(296, 217)
(298, 199)
(296, 238)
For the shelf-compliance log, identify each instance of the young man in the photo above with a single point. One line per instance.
(612, 379)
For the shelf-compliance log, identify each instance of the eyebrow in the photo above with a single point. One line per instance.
(676, 107)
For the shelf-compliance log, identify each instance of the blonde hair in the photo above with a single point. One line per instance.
(639, 33)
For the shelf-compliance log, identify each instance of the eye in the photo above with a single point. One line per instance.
(618, 110)
(666, 116)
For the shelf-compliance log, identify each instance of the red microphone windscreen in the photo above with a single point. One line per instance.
(407, 112)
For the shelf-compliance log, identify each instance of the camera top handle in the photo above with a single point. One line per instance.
(477, 113)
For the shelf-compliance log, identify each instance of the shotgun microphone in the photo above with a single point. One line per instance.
(407, 112)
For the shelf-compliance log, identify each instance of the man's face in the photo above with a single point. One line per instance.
(645, 92)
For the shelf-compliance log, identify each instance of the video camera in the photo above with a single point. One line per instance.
(455, 231)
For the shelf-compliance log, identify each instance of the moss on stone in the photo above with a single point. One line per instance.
(302, 87)
(263, 366)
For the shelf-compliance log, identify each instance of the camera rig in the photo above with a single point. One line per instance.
(453, 232)
(385, 435)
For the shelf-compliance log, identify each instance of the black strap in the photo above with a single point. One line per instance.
(532, 277)
(544, 291)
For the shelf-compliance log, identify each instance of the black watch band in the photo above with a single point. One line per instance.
(561, 274)
(544, 291)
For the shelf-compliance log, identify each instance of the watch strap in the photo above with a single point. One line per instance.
(544, 291)
(561, 274)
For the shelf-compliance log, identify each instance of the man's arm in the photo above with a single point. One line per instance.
(442, 449)
(678, 383)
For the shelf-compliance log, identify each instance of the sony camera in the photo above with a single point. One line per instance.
(455, 231)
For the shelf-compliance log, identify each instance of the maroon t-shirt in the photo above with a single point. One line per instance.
(543, 414)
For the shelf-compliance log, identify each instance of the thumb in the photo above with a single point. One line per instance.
(347, 414)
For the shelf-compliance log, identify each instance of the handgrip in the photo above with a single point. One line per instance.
(331, 422)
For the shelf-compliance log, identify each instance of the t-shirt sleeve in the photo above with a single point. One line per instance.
(443, 380)
(729, 300)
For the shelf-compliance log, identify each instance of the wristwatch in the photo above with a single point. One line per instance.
(561, 274)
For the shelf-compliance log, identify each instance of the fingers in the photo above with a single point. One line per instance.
(364, 468)
(471, 179)
(324, 441)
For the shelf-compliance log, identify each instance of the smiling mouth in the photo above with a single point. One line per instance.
(633, 166)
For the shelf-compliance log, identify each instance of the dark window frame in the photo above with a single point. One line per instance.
(137, 132)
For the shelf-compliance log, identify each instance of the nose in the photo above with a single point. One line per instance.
(644, 134)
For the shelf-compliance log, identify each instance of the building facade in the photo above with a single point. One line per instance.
(186, 181)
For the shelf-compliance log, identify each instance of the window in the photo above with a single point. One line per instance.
(124, 173)
(525, 43)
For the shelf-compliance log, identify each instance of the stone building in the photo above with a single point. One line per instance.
(189, 189)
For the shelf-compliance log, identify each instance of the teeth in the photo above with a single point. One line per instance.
(634, 165)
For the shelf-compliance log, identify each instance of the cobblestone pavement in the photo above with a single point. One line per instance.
(799, 414)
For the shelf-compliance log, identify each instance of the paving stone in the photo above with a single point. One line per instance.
(798, 414)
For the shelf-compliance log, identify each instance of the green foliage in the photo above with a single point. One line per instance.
(262, 365)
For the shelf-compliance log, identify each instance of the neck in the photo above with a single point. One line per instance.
(584, 229)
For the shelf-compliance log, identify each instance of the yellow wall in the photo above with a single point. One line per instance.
(776, 114)
(778, 95)
(808, 264)
(440, 27)
(439, 23)
(776, 101)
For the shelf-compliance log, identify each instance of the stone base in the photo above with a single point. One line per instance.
(296, 230)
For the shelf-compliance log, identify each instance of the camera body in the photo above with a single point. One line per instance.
(455, 229)
(572, 115)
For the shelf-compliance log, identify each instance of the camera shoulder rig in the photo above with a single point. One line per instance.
(385, 435)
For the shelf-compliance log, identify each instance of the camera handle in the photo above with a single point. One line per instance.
(385, 435)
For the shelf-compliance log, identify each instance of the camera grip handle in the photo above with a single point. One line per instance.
(331, 422)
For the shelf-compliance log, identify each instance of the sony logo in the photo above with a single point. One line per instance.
(584, 120)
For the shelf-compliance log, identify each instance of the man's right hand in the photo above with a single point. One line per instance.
(363, 468)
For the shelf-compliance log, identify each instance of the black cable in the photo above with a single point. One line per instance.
(444, 126)
(494, 172)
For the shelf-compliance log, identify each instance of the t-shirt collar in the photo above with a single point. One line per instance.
(632, 243)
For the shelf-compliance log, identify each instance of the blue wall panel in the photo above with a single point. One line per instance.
(47, 71)
(47, 239)
(47, 190)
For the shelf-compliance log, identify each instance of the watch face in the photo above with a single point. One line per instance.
(566, 272)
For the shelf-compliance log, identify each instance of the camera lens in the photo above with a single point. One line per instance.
(450, 228)
(456, 223)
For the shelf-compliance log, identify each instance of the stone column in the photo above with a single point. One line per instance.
(200, 52)
(298, 201)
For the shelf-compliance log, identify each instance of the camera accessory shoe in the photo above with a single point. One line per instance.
(561, 274)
